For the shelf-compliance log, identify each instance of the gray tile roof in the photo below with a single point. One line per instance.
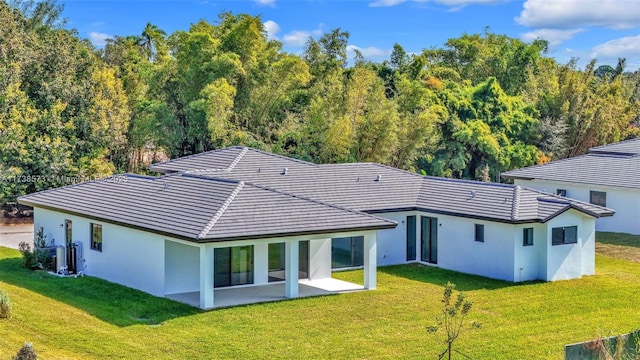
(232, 158)
(629, 147)
(376, 188)
(497, 202)
(610, 165)
(202, 209)
(240, 193)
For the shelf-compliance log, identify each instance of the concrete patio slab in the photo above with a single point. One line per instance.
(243, 295)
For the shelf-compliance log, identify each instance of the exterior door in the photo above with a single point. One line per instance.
(429, 239)
(411, 237)
(277, 261)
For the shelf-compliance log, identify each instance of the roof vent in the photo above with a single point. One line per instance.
(165, 186)
(258, 169)
(285, 171)
(473, 194)
(379, 177)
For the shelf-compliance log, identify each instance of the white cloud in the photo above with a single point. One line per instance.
(626, 47)
(370, 53)
(272, 28)
(266, 2)
(296, 38)
(98, 38)
(572, 14)
(554, 36)
(300, 37)
(384, 3)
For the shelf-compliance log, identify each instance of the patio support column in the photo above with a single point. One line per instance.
(206, 276)
(370, 260)
(291, 268)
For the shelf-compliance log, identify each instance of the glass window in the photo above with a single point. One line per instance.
(598, 198)
(564, 235)
(527, 237)
(276, 262)
(480, 232)
(347, 252)
(96, 237)
(561, 192)
(233, 266)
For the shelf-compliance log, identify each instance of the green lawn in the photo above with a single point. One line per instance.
(88, 318)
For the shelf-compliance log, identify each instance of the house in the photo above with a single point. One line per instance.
(241, 225)
(607, 175)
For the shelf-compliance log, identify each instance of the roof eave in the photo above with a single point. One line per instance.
(297, 233)
(23, 201)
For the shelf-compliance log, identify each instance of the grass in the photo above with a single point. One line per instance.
(87, 318)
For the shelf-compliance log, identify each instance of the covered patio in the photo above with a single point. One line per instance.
(222, 274)
(242, 295)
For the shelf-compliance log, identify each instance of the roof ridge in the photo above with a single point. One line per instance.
(237, 159)
(344, 208)
(467, 181)
(515, 206)
(280, 156)
(214, 219)
(196, 155)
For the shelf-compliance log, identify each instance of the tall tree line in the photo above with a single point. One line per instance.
(480, 105)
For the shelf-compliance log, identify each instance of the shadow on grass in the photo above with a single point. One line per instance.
(109, 302)
(438, 276)
(618, 239)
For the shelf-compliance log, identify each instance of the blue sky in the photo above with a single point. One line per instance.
(586, 29)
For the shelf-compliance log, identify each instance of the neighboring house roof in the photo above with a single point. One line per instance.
(610, 165)
(202, 209)
(628, 147)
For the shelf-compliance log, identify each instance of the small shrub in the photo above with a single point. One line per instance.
(5, 305)
(27, 352)
(28, 257)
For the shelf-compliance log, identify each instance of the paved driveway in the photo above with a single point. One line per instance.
(12, 235)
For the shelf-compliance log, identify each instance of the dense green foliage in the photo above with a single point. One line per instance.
(480, 105)
(88, 318)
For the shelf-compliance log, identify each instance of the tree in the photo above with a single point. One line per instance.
(453, 318)
(153, 41)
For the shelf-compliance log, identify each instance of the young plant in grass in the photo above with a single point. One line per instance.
(5, 305)
(453, 319)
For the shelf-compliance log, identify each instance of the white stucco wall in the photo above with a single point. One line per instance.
(392, 243)
(182, 267)
(458, 250)
(570, 261)
(320, 259)
(626, 203)
(530, 261)
(129, 257)
(502, 254)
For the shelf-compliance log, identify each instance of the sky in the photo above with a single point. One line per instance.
(583, 29)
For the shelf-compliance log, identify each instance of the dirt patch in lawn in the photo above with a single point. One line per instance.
(620, 246)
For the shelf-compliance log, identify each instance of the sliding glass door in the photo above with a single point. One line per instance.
(429, 239)
(277, 261)
(233, 266)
